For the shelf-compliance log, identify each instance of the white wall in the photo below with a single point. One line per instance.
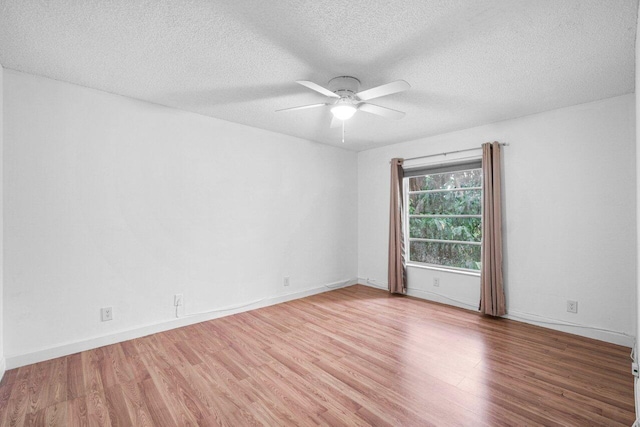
(569, 212)
(2, 356)
(637, 263)
(115, 202)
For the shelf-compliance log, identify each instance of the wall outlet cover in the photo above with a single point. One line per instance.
(106, 313)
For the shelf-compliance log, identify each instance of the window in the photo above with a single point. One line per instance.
(443, 222)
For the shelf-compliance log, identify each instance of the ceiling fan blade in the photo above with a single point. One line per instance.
(384, 90)
(303, 107)
(381, 111)
(318, 88)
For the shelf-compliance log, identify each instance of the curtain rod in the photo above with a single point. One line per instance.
(448, 152)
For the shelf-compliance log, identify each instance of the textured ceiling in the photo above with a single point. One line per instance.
(468, 62)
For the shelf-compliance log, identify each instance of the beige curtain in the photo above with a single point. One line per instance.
(492, 301)
(397, 273)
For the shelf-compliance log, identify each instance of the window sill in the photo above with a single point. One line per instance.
(447, 270)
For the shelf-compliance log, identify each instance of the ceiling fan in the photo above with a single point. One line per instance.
(347, 98)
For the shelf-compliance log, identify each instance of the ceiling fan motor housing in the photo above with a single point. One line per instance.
(345, 86)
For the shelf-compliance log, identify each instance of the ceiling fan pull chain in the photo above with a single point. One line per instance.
(343, 131)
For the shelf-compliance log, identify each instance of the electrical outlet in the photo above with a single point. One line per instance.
(572, 306)
(286, 280)
(106, 313)
(436, 282)
(177, 300)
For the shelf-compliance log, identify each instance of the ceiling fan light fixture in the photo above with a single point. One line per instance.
(343, 111)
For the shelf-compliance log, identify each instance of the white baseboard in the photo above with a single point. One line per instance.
(372, 284)
(432, 296)
(613, 337)
(418, 293)
(15, 361)
(600, 334)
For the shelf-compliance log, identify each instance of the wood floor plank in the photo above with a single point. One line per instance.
(37, 387)
(557, 407)
(217, 403)
(77, 414)
(165, 388)
(114, 368)
(137, 407)
(324, 390)
(54, 415)
(354, 356)
(270, 405)
(137, 367)
(97, 409)
(75, 377)
(226, 383)
(119, 415)
(162, 414)
(56, 383)
(15, 412)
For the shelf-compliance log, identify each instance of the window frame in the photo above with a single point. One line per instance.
(453, 166)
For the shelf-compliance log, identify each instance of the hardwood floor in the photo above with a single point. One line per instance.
(354, 356)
